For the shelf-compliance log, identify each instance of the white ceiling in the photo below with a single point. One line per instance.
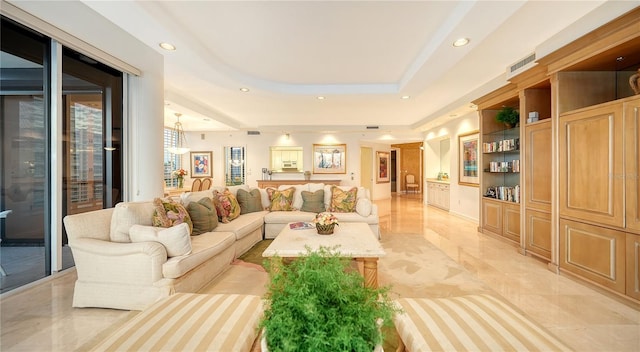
(362, 56)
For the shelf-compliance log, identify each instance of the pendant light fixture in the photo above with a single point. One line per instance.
(181, 140)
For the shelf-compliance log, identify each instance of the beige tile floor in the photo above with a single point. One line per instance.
(41, 318)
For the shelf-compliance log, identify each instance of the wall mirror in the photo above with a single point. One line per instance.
(286, 159)
(234, 161)
(445, 157)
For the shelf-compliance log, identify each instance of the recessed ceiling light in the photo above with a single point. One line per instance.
(461, 42)
(244, 89)
(405, 97)
(167, 46)
(320, 98)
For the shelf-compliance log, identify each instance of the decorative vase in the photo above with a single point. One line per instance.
(307, 175)
(180, 182)
(325, 229)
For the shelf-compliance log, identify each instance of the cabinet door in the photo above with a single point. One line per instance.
(492, 216)
(590, 165)
(445, 197)
(537, 158)
(593, 252)
(632, 164)
(511, 222)
(537, 233)
(633, 266)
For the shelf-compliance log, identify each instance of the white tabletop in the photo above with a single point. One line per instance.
(354, 239)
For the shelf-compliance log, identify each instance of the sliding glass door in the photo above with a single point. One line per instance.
(91, 152)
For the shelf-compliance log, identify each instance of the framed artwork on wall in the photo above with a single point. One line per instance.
(329, 158)
(382, 167)
(468, 159)
(201, 164)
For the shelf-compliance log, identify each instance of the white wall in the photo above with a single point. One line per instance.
(464, 200)
(257, 155)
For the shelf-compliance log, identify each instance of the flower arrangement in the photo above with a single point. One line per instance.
(325, 218)
(180, 173)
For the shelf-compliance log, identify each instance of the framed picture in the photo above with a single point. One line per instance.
(468, 159)
(200, 164)
(329, 158)
(382, 164)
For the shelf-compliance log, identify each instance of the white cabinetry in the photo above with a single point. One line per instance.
(438, 194)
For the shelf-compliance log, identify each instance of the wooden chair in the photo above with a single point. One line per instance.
(206, 184)
(411, 183)
(195, 186)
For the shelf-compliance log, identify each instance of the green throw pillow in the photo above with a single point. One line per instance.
(313, 201)
(203, 215)
(250, 202)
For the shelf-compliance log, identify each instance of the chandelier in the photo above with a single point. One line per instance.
(181, 140)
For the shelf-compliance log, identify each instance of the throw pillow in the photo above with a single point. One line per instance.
(281, 200)
(250, 202)
(313, 201)
(227, 206)
(363, 207)
(170, 213)
(343, 201)
(175, 239)
(204, 216)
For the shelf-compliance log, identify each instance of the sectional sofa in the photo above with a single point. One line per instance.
(123, 261)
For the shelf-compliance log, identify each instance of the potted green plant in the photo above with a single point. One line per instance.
(318, 302)
(509, 116)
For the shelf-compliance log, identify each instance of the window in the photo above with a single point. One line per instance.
(172, 161)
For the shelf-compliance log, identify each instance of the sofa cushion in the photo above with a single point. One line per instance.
(343, 201)
(226, 205)
(204, 215)
(174, 239)
(281, 200)
(234, 189)
(364, 206)
(128, 214)
(280, 217)
(188, 197)
(243, 225)
(203, 248)
(313, 201)
(169, 213)
(250, 202)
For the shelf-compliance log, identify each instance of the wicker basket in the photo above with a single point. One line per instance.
(325, 229)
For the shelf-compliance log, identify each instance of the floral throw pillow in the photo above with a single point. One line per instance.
(343, 201)
(281, 200)
(168, 213)
(227, 205)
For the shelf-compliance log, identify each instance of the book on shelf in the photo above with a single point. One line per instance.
(506, 193)
(505, 145)
(504, 166)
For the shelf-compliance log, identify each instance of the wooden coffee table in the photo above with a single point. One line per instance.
(353, 240)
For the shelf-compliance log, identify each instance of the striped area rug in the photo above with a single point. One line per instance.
(470, 323)
(191, 322)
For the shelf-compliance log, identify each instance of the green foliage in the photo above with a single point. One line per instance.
(319, 303)
(508, 115)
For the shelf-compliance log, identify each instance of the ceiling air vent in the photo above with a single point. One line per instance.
(253, 133)
(521, 66)
(373, 127)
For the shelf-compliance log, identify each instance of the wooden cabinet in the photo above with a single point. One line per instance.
(492, 216)
(594, 252)
(511, 222)
(538, 233)
(438, 194)
(633, 266)
(591, 165)
(632, 164)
